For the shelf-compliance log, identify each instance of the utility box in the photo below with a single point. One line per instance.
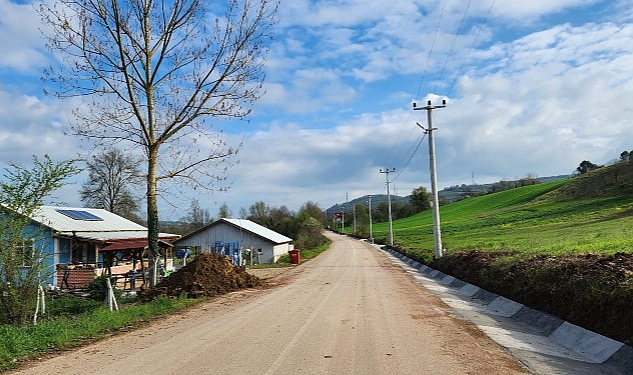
(295, 256)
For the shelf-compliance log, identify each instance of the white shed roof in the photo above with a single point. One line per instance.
(259, 230)
(249, 226)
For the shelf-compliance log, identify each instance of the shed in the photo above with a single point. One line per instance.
(227, 236)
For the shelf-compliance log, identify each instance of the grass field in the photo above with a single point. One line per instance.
(524, 221)
(563, 247)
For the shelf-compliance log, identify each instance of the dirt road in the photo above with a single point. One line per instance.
(348, 311)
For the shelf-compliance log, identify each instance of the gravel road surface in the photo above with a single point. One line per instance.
(348, 311)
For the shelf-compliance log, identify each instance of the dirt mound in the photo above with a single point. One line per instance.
(592, 291)
(208, 275)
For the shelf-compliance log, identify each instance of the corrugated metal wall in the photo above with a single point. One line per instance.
(205, 241)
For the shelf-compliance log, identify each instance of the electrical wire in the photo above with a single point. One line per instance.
(450, 51)
(394, 154)
(448, 57)
(472, 46)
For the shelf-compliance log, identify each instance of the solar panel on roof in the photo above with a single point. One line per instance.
(80, 215)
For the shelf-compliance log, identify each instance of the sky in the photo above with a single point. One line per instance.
(532, 87)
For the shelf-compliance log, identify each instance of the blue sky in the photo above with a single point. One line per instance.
(532, 87)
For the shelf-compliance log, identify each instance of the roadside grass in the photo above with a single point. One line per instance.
(305, 255)
(524, 222)
(72, 322)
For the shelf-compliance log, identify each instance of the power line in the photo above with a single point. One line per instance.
(472, 46)
(390, 155)
(450, 51)
(411, 157)
(412, 148)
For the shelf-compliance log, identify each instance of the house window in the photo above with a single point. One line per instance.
(80, 252)
(25, 252)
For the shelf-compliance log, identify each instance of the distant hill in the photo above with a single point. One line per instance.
(448, 194)
(364, 200)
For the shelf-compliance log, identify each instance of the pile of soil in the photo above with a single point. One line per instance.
(208, 275)
(592, 291)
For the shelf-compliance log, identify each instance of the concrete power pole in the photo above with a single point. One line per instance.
(371, 231)
(354, 213)
(386, 172)
(437, 235)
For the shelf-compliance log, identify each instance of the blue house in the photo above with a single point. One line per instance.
(82, 243)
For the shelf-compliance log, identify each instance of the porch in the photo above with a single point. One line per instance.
(125, 260)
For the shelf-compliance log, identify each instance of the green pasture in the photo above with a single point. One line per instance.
(524, 221)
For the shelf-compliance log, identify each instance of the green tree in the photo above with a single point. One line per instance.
(312, 209)
(420, 199)
(362, 220)
(112, 176)
(310, 234)
(156, 70)
(259, 212)
(22, 258)
(282, 220)
(224, 211)
(381, 213)
(587, 166)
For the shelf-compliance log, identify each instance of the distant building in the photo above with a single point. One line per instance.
(239, 239)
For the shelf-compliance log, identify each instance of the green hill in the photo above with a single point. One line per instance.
(565, 247)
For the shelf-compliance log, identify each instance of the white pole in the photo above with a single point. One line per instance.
(43, 300)
(110, 298)
(386, 172)
(437, 235)
(371, 232)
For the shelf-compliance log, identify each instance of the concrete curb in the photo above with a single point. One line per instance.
(593, 346)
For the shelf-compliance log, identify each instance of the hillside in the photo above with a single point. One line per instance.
(448, 194)
(364, 200)
(564, 247)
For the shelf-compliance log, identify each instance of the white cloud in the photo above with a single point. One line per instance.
(522, 10)
(22, 46)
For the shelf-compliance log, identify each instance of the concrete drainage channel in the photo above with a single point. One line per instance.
(543, 343)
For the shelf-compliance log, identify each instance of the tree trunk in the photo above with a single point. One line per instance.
(152, 214)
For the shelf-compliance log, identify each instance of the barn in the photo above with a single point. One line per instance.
(243, 240)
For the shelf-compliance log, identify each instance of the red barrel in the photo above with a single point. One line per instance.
(295, 256)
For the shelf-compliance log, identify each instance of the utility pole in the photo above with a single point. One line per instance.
(343, 221)
(343, 216)
(386, 172)
(437, 235)
(371, 232)
(354, 213)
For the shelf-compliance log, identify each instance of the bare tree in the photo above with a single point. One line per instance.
(155, 71)
(196, 218)
(112, 177)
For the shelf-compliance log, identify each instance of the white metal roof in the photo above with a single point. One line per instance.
(111, 226)
(248, 226)
(259, 230)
